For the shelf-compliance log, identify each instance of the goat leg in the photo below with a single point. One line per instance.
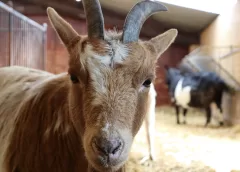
(208, 116)
(177, 113)
(150, 128)
(184, 114)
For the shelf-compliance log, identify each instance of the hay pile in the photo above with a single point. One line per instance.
(187, 148)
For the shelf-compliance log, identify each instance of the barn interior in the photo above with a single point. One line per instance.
(208, 40)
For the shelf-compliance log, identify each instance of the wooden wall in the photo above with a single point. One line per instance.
(225, 32)
(57, 56)
(4, 49)
(171, 57)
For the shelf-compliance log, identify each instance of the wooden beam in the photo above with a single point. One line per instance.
(63, 8)
(150, 28)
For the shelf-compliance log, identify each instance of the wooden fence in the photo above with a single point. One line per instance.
(22, 40)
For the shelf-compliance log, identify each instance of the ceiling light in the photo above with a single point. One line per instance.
(78, 0)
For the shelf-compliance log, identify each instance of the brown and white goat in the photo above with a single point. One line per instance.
(85, 119)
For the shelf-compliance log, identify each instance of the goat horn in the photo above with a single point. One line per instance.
(136, 18)
(94, 17)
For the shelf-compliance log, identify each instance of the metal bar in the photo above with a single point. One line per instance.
(21, 16)
(225, 71)
(44, 45)
(189, 58)
(229, 54)
(205, 47)
(26, 44)
(10, 39)
(194, 67)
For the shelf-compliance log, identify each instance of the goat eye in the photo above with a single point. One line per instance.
(147, 83)
(74, 79)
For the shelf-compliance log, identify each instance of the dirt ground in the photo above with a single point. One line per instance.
(187, 148)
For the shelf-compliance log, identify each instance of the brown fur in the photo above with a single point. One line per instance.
(47, 122)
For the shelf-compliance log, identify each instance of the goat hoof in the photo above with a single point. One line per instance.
(152, 158)
(147, 160)
(221, 123)
(144, 159)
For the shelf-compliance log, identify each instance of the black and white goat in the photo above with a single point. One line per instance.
(195, 90)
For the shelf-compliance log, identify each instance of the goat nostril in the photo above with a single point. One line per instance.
(117, 147)
(107, 147)
(99, 147)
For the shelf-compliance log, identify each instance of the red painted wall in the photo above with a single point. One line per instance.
(57, 56)
(171, 57)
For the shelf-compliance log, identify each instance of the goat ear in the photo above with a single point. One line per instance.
(163, 41)
(63, 28)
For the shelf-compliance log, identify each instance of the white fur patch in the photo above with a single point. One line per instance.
(99, 84)
(99, 66)
(117, 53)
(95, 63)
(106, 128)
(150, 121)
(120, 52)
(141, 88)
(152, 92)
(182, 95)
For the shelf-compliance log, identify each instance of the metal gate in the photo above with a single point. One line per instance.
(22, 40)
(210, 59)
